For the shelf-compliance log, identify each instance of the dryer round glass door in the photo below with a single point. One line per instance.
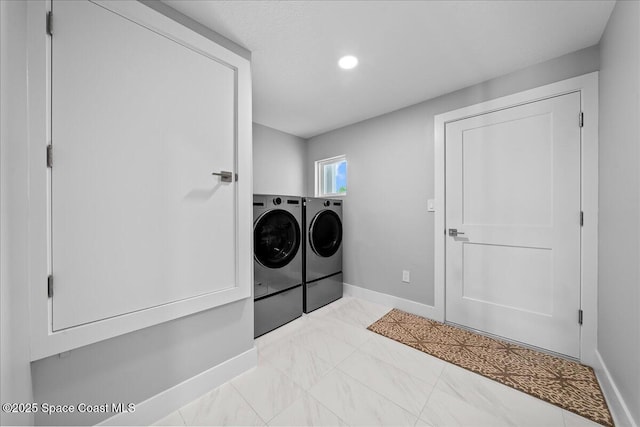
(325, 233)
(276, 238)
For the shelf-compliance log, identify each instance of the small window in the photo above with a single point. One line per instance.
(331, 177)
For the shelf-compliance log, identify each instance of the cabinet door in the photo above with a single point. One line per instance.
(139, 123)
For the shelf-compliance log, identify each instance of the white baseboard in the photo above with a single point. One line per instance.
(619, 409)
(168, 401)
(409, 306)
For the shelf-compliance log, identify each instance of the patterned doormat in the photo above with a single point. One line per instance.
(563, 383)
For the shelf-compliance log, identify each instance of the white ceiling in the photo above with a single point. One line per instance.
(409, 51)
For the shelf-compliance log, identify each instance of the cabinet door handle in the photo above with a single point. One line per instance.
(225, 176)
(453, 232)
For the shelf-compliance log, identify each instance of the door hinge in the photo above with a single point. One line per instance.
(580, 317)
(50, 23)
(581, 119)
(581, 218)
(50, 286)
(49, 156)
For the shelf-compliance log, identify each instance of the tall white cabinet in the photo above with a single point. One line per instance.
(147, 189)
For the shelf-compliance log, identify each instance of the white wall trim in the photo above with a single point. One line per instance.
(587, 85)
(409, 306)
(618, 407)
(172, 399)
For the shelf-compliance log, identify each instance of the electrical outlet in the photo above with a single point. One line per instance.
(406, 276)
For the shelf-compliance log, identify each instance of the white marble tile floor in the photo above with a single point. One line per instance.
(326, 369)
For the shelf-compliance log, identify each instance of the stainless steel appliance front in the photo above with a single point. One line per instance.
(278, 260)
(323, 252)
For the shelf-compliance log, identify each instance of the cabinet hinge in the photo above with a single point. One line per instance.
(581, 119)
(50, 286)
(50, 23)
(49, 156)
(581, 218)
(580, 317)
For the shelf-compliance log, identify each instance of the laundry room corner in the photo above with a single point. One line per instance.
(279, 162)
(388, 227)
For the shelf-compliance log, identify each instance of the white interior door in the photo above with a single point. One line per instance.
(139, 123)
(513, 189)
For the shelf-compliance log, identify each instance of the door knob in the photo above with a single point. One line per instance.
(225, 176)
(453, 232)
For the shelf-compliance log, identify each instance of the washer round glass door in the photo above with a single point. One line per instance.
(325, 233)
(276, 238)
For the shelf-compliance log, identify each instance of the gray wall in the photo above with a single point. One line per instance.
(129, 368)
(619, 226)
(279, 162)
(390, 174)
(14, 309)
(136, 366)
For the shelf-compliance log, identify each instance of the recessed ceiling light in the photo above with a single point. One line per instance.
(348, 62)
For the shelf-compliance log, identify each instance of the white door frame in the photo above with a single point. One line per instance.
(587, 85)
